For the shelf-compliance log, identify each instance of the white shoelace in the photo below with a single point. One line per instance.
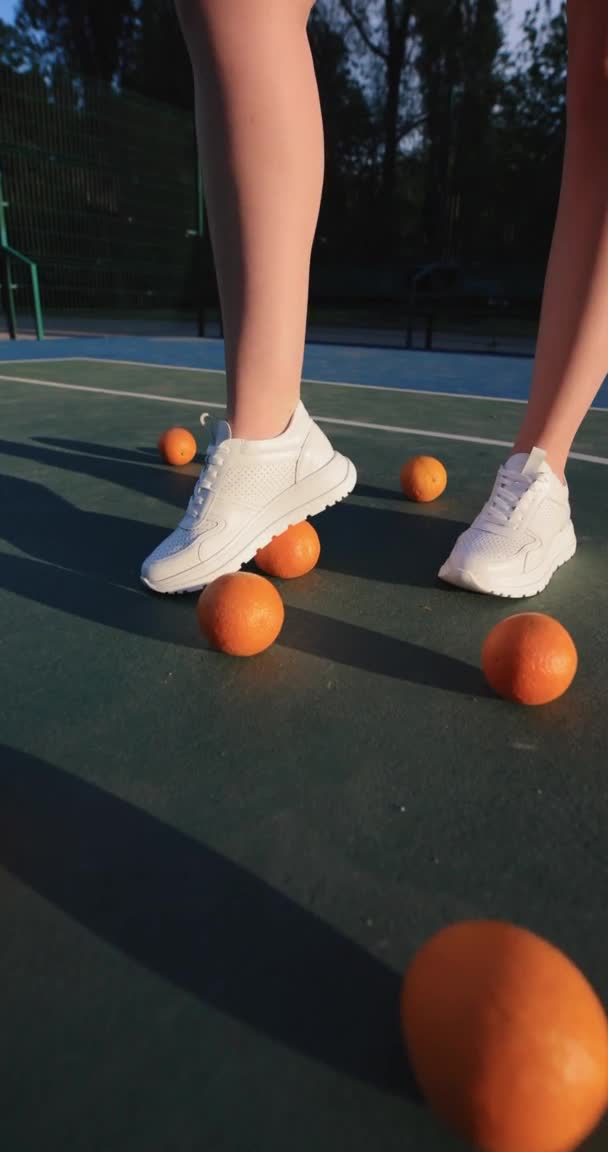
(214, 459)
(508, 492)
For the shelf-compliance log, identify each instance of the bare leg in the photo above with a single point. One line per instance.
(261, 142)
(572, 353)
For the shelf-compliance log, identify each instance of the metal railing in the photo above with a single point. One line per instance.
(10, 254)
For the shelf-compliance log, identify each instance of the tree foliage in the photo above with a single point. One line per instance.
(88, 37)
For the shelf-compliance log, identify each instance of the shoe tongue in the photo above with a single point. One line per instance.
(526, 464)
(221, 432)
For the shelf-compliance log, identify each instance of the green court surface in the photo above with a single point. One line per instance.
(213, 871)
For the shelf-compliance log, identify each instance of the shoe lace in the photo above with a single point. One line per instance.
(508, 492)
(215, 458)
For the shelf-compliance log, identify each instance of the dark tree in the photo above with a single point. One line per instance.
(350, 145)
(160, 65)
(386, 29)
(460, 41)
(91, 38)
(529, 136)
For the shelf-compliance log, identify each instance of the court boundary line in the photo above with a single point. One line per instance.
(45, 360)
(305, 380)
(108, 391)
(427, 433)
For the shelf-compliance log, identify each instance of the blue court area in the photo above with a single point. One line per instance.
(461, 374)
(213, 872)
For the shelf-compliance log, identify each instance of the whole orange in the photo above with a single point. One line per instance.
(241, 614)
(423, 478)
(293, 553)
(529, 658)
(507, 1039)
(177, 446)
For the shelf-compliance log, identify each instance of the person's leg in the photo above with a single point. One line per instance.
(261, 143)
(524, 532)
(261, 138)
(572, 352)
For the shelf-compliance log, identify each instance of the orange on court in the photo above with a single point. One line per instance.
(529, 658)
(177, 446)
(293, 553)
(507, 1039)
(423, 478)
(241, 614)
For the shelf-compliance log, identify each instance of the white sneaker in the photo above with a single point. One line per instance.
(248, 491)
(522, 535)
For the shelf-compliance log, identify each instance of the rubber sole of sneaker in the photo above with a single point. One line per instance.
(311, 506)
(564, 549)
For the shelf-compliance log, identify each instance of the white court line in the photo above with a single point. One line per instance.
(325, 383)
(428, 433)
(109, 391)
(433, 435)
(44, 360)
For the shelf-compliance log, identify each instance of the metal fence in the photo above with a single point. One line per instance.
(101, 190)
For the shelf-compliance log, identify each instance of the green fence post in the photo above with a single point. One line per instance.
(8, 255)
(9, 287)
(37, 303)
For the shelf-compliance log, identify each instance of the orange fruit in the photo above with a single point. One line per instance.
(293, 553)
(507, 1039)
(241, 614)
(423, 478)
(177, 446)
(529, 658)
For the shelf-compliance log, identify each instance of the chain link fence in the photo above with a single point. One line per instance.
(101, 190)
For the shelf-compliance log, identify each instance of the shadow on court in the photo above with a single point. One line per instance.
(141, 454)
(359, 647)
(377, 492)
(51, 528)
(387, 544)
(136, 472)
(200, 921)
(173, 621)
(89, 567)
(391, 545)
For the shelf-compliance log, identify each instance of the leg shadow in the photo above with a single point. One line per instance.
(359, 647)
(90, 568)
(114, 605)
(375, 492)
(393, 545)
(200, 921)
(140, 454)
(173, 621)
(45, 525)
(130, 470)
